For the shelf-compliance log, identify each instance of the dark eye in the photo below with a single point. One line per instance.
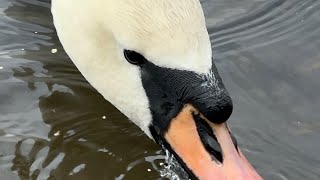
(133, 57)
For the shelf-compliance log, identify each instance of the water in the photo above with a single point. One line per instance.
(172, 169)
(54, 125)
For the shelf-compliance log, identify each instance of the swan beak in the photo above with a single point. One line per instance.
(208, 150)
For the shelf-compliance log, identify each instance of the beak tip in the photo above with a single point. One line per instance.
(185, 140)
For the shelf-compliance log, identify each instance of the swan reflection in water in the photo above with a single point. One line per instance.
(52, 88)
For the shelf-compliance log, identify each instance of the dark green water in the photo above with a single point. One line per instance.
(54, 125)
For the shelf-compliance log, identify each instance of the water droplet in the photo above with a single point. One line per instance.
(172, 168)
(53, 51)
(57, 133)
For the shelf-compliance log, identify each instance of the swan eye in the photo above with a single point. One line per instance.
(133, 57)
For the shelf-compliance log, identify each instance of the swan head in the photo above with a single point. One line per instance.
(153, 61)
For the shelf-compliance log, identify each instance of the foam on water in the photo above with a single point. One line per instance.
(172, 168)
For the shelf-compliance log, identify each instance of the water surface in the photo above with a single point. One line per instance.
(54, 125)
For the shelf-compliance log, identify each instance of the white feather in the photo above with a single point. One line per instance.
(169, 33)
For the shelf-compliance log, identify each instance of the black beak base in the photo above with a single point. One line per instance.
(168, 90)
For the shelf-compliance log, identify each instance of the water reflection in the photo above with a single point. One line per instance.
(84, 137)
(54, 125)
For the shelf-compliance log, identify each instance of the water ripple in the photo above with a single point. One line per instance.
(275, 21)
(54, 125)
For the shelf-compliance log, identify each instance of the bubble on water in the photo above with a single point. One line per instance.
(172, 168)
(57, 133)
(53, 51)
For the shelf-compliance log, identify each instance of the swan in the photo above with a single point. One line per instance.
(152, 60)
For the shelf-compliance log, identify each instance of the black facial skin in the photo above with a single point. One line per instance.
(168, 90)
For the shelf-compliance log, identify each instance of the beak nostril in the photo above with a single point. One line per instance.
(208, 139)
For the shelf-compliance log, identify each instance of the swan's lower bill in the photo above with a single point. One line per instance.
(207, 156)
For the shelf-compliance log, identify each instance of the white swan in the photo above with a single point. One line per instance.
(152, 60)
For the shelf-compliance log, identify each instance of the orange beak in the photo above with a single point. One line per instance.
(184, 139)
